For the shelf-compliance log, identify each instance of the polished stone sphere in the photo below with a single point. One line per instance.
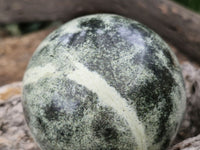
(103, 82)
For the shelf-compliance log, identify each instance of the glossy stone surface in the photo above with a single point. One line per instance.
(103, 82)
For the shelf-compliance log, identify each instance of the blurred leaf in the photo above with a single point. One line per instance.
(13, 29)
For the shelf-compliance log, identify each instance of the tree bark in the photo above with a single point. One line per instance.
(15, 53)
(188, 144)
(176, 24)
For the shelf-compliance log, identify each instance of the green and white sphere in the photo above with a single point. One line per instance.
(103, 82)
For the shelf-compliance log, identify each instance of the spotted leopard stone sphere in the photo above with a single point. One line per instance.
(103, 82)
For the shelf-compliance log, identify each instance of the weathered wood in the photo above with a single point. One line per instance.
(15, 53)
(174, 23)
(190, 125)
(188, 144)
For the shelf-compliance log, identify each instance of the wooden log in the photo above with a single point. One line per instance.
(176, 24)
(188, 144)
(190, 126)
(15, 53)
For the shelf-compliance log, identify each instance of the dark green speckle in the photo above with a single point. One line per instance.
(65, 115)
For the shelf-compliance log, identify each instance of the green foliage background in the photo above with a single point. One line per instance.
(191, 4)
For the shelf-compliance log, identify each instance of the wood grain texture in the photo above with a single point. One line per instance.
(188, 144)
(15, 53)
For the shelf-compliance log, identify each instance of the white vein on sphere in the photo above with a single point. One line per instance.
(110, 97)
(34, 74)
